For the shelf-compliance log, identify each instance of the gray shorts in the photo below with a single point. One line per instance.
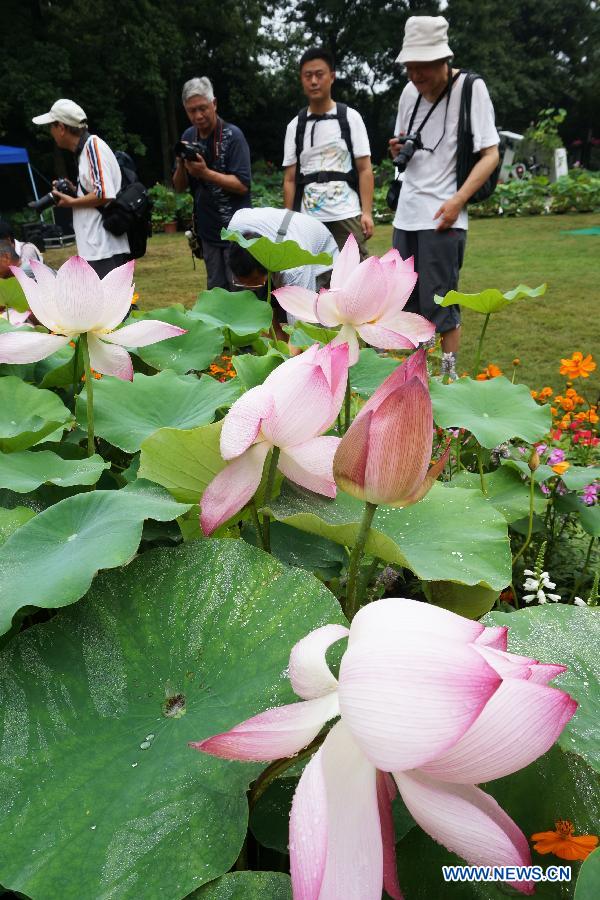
(216, 260)
(438, 258)
(103, 266)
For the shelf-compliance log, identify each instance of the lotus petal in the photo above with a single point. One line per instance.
(80, 300)
(109, 359)
(395, 617)
(386, 790)
(325, 308)
(347, 261)
(385, 338)
(298, 301)
(466, 821)
(232, 488)
(140, 334)
(310, 675)
(243, 422)
(311, 464)
(308, 832)
(495, 636)
(40, 294)
(118, 290)
(363, 293)
(347, 335)
(28, 346)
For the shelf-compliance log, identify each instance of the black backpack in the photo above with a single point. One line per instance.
(130, 212)
(465, 157)
(351, 177)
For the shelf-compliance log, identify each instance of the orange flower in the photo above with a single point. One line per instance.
(560, 468)
(577, 366)
(534, 394)
(516, 361)
(491, 371)
(546, 392)
(135, 298)
(553, 410)
(563, 843)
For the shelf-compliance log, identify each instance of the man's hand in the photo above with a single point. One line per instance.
(63, 199)
(395, 145)
(197, 168)
(366, 223)
(448, 213)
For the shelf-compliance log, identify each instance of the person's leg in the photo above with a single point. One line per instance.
(216, 267)
(103, 266)
(407, 245)
(340, 231)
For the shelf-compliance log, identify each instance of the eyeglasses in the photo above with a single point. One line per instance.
(249, 287)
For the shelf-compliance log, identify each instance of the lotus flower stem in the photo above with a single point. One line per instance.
(352, 593)
(270, 302)
(266, 532)
(347, 399)
(480, 346)
(256, 523)
(89, 389)
(481, 475)
(530, 525)
(75, 369)
(278, 767)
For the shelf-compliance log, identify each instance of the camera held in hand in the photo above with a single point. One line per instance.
(410, 143)
(62, 186)
(188, 150)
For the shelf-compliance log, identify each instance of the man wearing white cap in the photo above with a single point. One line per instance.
(431, 219)
(98, 181)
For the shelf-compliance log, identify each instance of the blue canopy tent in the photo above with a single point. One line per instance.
(16, 156)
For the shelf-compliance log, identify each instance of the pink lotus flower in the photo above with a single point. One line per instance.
(296, 403)
(365, 298)
(16, 318)
(385, 454)
(75, 301)
(423, 694)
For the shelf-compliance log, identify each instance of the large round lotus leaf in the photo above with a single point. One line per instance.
(505, 491)
(470, 601)
(51, 560)
(98, 785)
(578, 477)
(183, 461)
(12, 295)
(11, 519)
(369, 372)
(239, 311)
(58, 370)
(28, 414)
(493, 411)
(25, 470)
(189, 352)
(588, 882)
(569, 635)
(450, 535)
(491, 300)
(126, 412)
(252, 370)
(556, 786)
(247, 886)
(276, 256)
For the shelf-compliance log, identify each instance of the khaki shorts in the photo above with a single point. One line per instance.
(340, 231)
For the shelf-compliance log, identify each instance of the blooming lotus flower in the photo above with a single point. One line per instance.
(296, 403)
(16, 318)
(385, 454)
(423, 694)
(76, 301)
(365, 298)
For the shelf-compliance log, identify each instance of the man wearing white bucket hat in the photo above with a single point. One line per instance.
(431, 218)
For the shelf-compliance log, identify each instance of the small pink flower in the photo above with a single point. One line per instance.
(556, 456)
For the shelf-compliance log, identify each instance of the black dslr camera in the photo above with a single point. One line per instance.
(410, 143)
(48, 200)
(188, 150)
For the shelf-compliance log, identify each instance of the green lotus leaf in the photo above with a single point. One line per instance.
(98, 784)
(506, 492)
(558, 785)
(184, 462)
(275, 257)
(466, 541)
(589, 516)
(28, 414)
(493, 411)
(253, 370)
(12, 294)
(26, 470)
(189, 352)
(588, 882)
(569, 635)
(57, 370)
(239, 311)
(247, 886)
(491, 300)
(303, 334)
(541, 474)
(370, 371)
(127, 412)
(11, 519)
(51, 560)
(578, 477)
(470, 601)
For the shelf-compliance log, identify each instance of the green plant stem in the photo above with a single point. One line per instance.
(75, 370)
(266, 529)
(480, 346)
(277, 768)
(530, 524)
(89, 390)
(347, 399)
(352, 593)
(272, 327)
(256, 522)
(458, 462)
(481, 475)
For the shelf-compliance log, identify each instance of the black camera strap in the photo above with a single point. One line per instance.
(445, 93)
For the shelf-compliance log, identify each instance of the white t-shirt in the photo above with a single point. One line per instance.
(99, 173)
(430, 178)
(325, 150)
(305, 230)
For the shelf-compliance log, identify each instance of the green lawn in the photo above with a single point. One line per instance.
(500, 253)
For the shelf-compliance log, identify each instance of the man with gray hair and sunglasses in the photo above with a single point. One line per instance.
(213, 161)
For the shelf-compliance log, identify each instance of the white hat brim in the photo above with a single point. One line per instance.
(46, 119)
(424, 54)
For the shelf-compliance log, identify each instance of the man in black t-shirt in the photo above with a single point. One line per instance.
(219, 177)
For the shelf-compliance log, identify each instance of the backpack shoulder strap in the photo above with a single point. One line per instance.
(342, 114)
(300, 132)
(285, 224)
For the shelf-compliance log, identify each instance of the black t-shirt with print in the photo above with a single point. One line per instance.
(224, 150)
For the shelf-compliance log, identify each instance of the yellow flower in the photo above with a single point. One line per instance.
(563, 843)
(577, 366)
(491, 371)
(560, 468)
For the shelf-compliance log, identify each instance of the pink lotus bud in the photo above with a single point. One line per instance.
(384, 456)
